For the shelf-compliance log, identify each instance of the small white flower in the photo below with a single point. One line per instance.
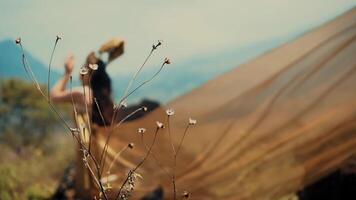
(141, 130)
(93, 66)
(185, 195)
(170, 112)
(83, 70)
(18, 40)
(192, 121)
(159, 124)
(123, 104)
(131, 145)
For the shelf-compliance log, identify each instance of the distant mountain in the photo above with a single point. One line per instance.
(11, 63)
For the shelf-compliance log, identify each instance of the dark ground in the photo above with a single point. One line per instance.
(336, 186)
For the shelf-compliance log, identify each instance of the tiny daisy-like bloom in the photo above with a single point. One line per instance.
(18, 40)
(170, 112)
(131, 145)
(83, 70)
(185, 194)
(93, 66)
(192, 121)
(167, 61)
(141, 130)
(159, 124)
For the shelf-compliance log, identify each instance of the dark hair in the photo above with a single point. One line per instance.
(100, 84)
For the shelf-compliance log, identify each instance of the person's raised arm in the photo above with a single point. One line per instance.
(59, 92)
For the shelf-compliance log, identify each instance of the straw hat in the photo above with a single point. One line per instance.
(115, 48)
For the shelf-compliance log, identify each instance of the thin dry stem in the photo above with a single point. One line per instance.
(49, 69)
(103, 153)
(130, 83)
(154, 157)
(116, 157)
(139, 164)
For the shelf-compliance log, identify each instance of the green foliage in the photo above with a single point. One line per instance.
(32, 174)
(25, 118)
(8, 183)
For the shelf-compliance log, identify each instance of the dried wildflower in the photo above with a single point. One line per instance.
(129, 185)
(185, 195)
(123, 104)
(167, 61)
(82, 126)
(58, 37)
(131, 145)
(93, 66)
(141, 130)
(159, 124)
(74, 130)
(85, 161)
(107, 186)
(154, 46)
(18, 40)
(192, 121)
(170, 112)
(83, 70)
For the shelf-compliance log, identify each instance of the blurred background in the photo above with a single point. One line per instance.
(204, 38)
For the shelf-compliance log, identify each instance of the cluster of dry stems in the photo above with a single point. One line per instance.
(95, 165)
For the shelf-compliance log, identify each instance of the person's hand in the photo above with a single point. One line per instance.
(69, 64)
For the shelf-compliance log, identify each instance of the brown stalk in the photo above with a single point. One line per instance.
(139, 164)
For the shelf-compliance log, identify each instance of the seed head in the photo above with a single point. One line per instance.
(58, 37)
(131, 145)
(93, 66)
(83, 70)
(170, 112)
(18, 40)
(154, 46)
(123, 104)
(159, 124)
(185, 195)
(141, 130)
(167, 61)
(74, 130)
(192, 121)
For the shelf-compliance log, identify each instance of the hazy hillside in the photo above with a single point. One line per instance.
(11, 64)
(174, 80)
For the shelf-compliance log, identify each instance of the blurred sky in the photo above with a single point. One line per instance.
(189, 28)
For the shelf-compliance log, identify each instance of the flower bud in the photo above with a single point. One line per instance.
(131, 145)
(167, 61)
(141, 130)
(83, 70)
(159, 124)
(170, 112)
(93, 66)
(185, 194)
(18, 40)
(192, 121)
